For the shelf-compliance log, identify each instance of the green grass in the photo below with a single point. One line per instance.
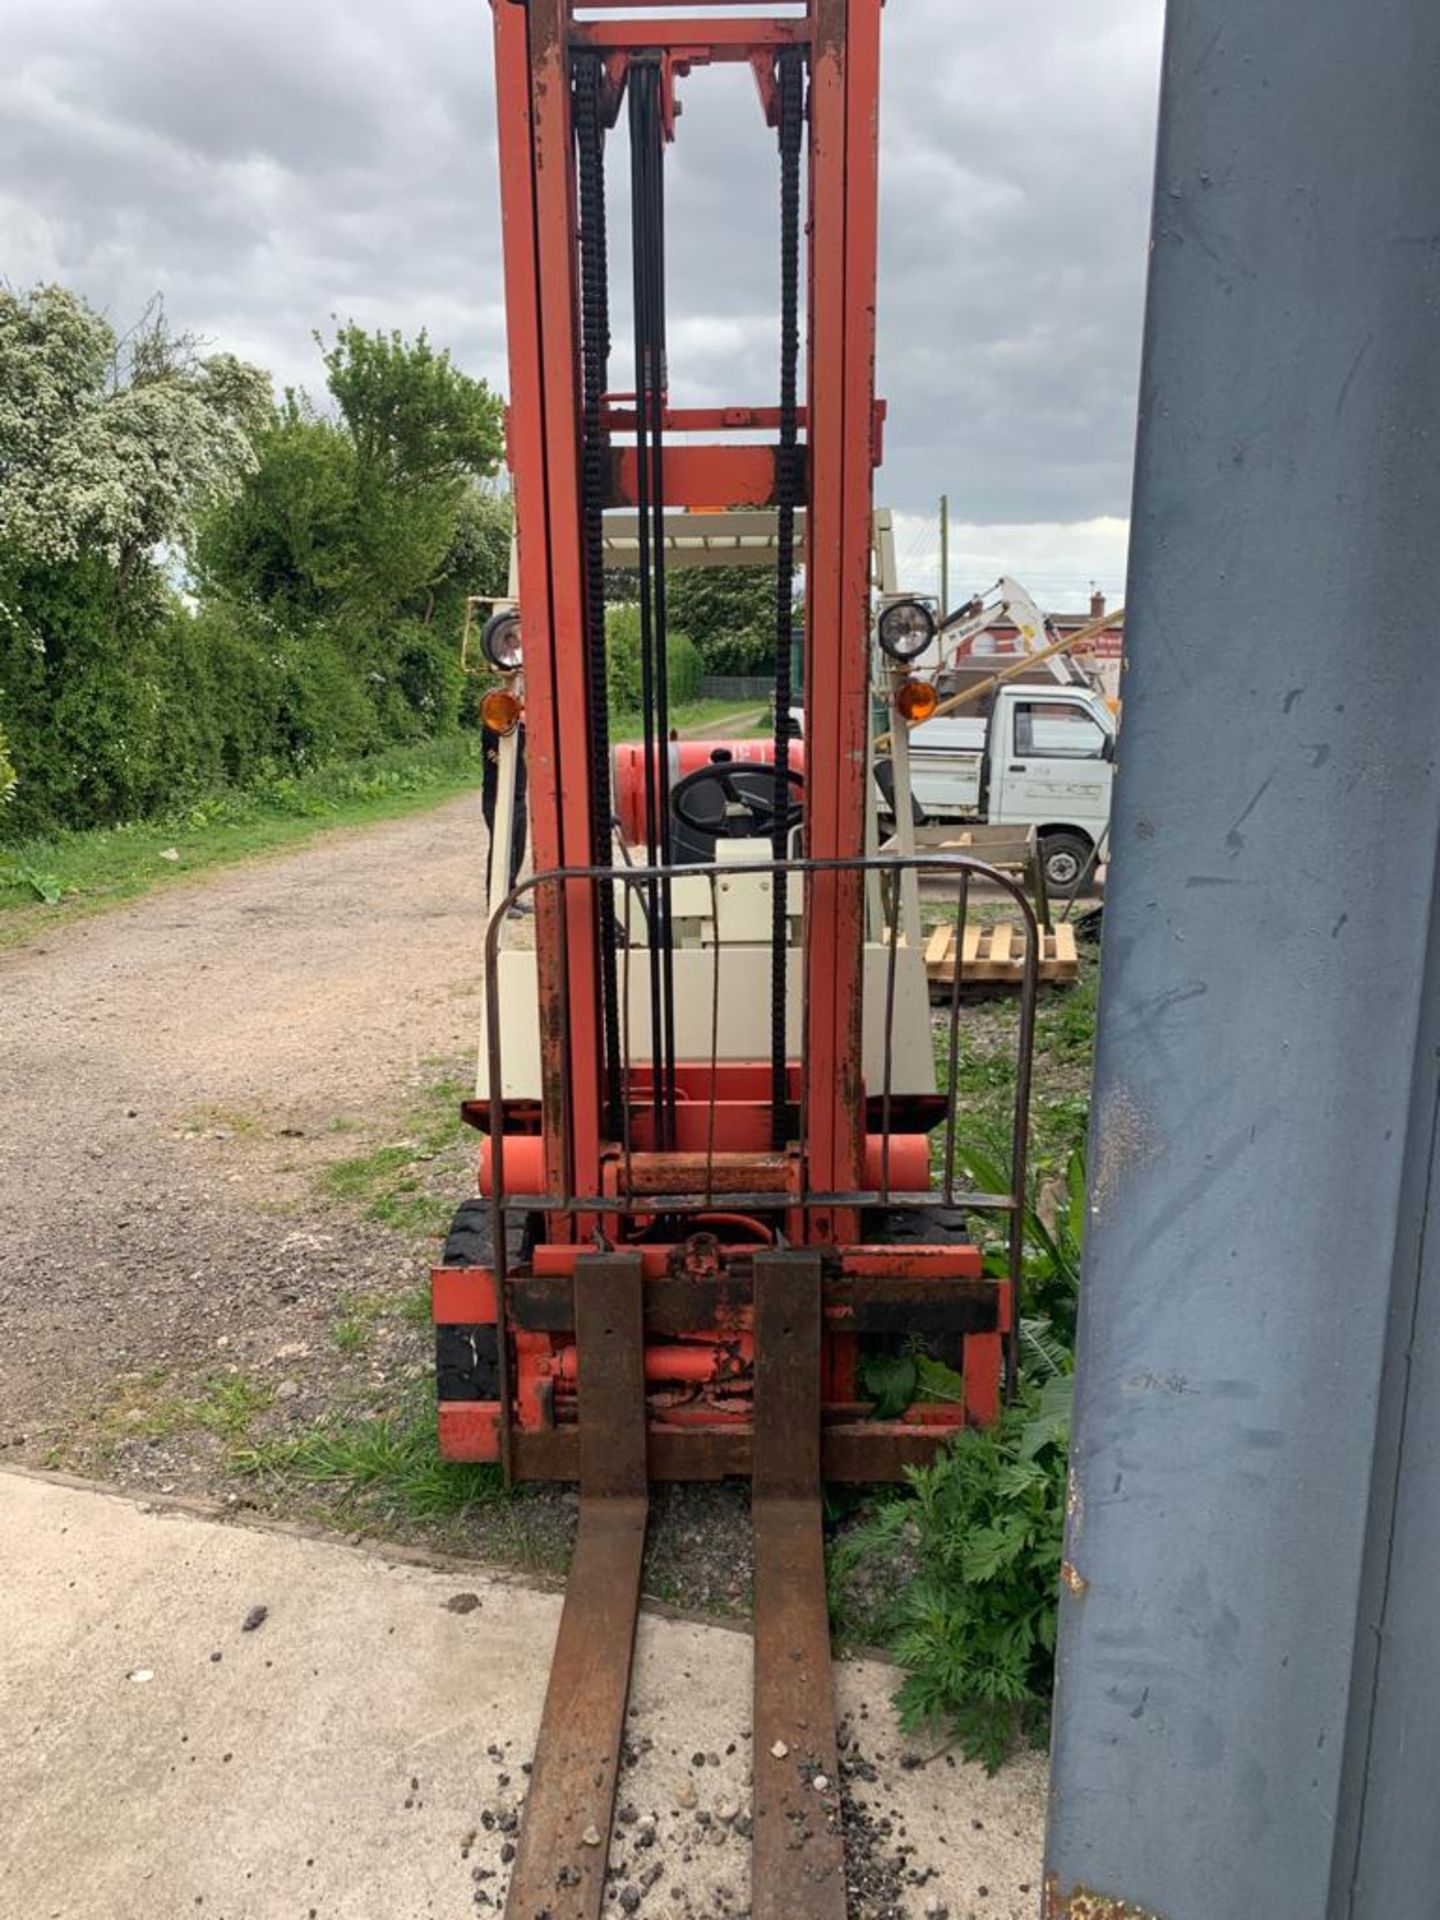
(225, 1406)
(380, 1181)
(360, 1314)
(1065, 1020)
(229, 1403)
(211, 1117)
(414, 1307)
(387, 1182)
(985, 1069)
(45, 880)
(386, 1465)
(354, 1335)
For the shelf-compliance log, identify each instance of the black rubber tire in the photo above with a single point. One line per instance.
(932, 1226)
(467, 1358)
(467, 1244)
(1064, 856)
(467, 1363)
(927, 1226)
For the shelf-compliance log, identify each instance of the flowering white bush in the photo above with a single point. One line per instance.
(200, 589)
(114, 446)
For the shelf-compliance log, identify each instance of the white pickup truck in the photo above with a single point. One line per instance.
(1044, 757)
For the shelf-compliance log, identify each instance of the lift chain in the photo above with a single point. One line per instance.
(595, 353)
(790, 84)
(647, 217)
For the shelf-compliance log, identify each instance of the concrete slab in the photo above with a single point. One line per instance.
(361, 1751)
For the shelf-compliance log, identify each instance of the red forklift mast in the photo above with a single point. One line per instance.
(535, 48)
(707, 1186)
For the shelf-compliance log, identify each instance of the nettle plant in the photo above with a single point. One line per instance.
(983, 1526)
(974, 1627)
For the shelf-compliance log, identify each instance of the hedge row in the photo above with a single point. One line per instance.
(116, 713)
(122, 718)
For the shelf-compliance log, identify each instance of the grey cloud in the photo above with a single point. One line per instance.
(265, 166)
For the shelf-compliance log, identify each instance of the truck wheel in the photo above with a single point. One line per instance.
(930, 1226)
(467, 1244)
(467, 1359)
(1065, 856)
(467, 1363)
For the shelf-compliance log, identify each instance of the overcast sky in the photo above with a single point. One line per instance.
(267, 165)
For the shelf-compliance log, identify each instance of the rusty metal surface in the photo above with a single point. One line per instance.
(691, 1454)
(864, 1303)
(609, 1333)
(699, 476)
(727, 1173)
(856, 1452)
(546, 1305)
(1082, 1903)
(798, 1850)
(564, 1838)
(572, 1787)
(765, 1203)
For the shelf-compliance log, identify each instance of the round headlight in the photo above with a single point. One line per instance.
(906, 628)
(500, 641)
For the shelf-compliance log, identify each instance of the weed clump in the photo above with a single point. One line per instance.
(974, 1627)
(973, 1547)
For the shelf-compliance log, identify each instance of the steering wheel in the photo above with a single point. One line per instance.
(741, 800)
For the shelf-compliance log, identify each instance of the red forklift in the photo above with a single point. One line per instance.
(718, 1172)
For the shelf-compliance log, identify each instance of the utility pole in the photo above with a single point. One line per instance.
(944, 554)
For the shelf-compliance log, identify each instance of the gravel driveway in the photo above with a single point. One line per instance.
(178, 1074)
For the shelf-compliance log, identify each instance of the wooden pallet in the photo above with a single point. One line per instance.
(995, 955)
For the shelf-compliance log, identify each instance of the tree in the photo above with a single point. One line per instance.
(367, 518)
(729, 613)
(111, 449)
(479, 558)
(287, 540)
(328, 557)
(423, 436)
(413, 418)
(114, 446)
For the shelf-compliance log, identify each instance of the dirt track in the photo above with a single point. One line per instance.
(176, 1072)
(175, 1280)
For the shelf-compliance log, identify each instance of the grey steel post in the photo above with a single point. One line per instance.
(1248, 1710)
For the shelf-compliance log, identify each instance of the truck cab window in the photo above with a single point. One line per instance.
(1057, 730)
